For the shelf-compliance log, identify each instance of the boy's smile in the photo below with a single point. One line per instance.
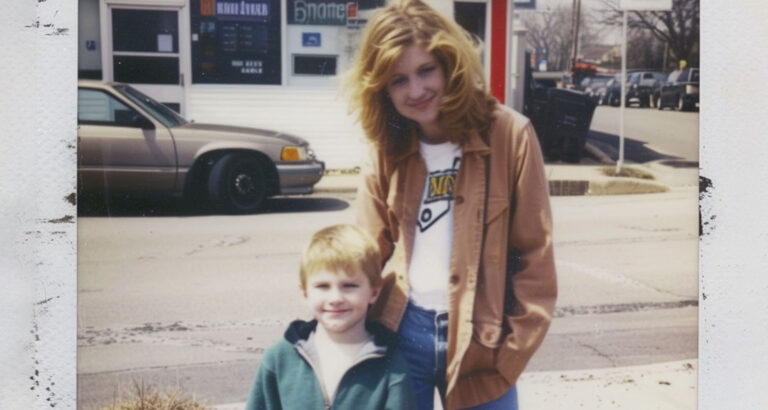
(340, 302)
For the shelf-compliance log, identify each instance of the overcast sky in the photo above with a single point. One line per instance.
(609, 35)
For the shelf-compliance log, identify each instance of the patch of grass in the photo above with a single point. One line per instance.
(627, 172)
(149, 398)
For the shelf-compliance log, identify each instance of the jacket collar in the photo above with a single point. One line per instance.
(474, 143)
(300, 330)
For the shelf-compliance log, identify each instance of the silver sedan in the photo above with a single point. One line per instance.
(129, 143)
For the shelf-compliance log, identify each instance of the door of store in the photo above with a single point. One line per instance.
(145, 52)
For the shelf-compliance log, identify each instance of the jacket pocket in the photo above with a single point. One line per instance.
(487, 334)
(478, 358)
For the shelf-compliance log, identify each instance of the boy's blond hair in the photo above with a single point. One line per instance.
(345, 248)
(467, 104)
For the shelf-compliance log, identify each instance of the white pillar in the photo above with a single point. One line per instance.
(516, 69)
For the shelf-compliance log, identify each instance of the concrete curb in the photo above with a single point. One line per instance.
(558, 186)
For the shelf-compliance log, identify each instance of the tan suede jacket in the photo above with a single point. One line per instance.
(489, 341)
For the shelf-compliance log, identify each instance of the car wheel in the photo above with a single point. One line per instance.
(681, 103)
(237, 183)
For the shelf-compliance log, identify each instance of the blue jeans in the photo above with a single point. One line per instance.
(423, 338)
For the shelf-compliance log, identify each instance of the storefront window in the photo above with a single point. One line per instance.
(236, 41)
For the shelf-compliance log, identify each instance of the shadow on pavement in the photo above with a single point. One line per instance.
(634, 150)
(97, 206)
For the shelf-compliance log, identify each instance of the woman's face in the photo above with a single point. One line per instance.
(416, 87)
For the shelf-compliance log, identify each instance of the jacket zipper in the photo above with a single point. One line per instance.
(320, 379)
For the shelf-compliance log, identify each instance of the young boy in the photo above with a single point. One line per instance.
(338, 360)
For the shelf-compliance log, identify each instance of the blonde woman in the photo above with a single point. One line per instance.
(455, 195)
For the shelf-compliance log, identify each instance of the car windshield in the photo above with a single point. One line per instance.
(167, 116)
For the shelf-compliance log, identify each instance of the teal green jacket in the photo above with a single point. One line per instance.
(286, 378)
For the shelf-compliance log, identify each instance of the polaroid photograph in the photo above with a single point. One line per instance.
(172, 228)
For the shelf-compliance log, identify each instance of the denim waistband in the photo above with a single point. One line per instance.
(416, 309)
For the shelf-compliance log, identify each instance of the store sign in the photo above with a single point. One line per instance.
(317, 12)
(351, 10)
(236, 41)
(242, 8)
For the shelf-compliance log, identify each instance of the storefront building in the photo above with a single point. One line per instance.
(273, 64)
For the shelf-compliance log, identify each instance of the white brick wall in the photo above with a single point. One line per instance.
(316, 114)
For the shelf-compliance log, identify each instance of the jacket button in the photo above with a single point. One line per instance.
(454, 279)
(459, 200)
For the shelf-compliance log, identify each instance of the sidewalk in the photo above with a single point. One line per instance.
(564, 180)
(661, 386)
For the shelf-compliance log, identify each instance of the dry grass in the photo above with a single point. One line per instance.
(627, 172)
(149, 398)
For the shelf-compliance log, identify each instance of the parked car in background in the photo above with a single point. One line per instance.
(130, 144)
(640, 87)
(591, 85)
(610, 93)
(681, 90)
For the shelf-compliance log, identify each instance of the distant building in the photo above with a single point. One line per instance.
(261, 63)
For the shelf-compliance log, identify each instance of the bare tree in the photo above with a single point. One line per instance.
(678, 28)
(551, 29)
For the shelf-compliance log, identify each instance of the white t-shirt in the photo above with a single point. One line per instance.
(431, 257)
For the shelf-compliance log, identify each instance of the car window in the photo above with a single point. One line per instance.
(694, 76)
(648, 76)
(98, 107)
(158, 110)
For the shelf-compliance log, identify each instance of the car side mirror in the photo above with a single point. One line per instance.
(142, 122)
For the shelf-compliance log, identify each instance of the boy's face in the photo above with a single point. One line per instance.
(340, 302)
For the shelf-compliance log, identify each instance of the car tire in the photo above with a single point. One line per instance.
(681, 106)
(237, 183)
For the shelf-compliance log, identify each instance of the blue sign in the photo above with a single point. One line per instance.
(311, 39)
(90, 45)
(525, 4)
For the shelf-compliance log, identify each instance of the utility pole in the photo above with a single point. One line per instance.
(575, 21)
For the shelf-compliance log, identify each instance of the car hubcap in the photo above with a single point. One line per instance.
(244, 184)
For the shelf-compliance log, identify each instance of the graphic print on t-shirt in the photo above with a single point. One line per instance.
(438, 196)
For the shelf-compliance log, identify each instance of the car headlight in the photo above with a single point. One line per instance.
(691, 89)
(293, 153)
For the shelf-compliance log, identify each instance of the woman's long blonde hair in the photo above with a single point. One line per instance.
(466, 104)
